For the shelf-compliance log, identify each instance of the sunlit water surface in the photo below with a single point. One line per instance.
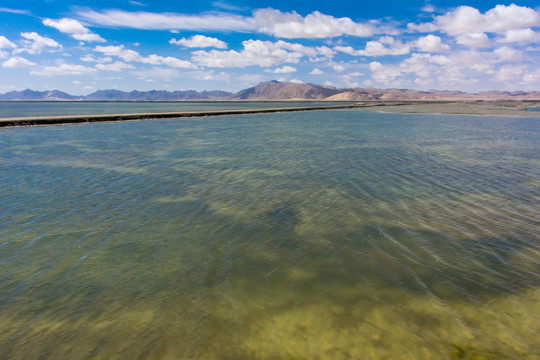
(316, 235)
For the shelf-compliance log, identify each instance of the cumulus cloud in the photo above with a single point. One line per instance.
(284, 70)
(431, 43)
(74, 28)
(64, 69)
(338, 68)
(503, 64)
(508, 54)
(470, 27)
(315, 25)
(316, 72)
(199, 41)
(386, 45)
(473, 40)
(5, 43)
(35, 43)
(532, 77)
(384, 74)
(510, 73)
(520, 36)
(115, 66)
(17, 62)
(466, 19)
(131, 55)
(91, 58)
(259, 53)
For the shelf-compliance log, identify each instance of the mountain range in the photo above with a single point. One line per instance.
(273, 90)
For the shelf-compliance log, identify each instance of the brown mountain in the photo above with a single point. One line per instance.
(274, 90)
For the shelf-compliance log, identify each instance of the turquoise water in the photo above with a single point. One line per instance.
(58, 108)
(313, 235)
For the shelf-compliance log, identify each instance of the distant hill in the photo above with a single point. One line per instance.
(37, 95)
(274, 90)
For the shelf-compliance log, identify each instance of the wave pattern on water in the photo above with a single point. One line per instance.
(324, 235)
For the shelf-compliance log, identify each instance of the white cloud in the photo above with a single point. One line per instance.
(284, 70)
(532, 77)
(467, 20)
(3, 54)
(5, 43)
(431, 43)
(520, 36)
(338, 68)
(473, 40)
(64, 69)
(17, 62)
(259, 53)
(200, 41)
(120, 51)
(510, 73)
(212, 75)
(115, 66)
(74, 28)
(384, 74)
(386, 45)
(35, 43)
(131, 55)
(508, 54)
(429, 8)
(269, 21)
(316, 72)
(168, 21)
(296, 81)
(315, 25)
(14, 11)
(459, 68)
(91, 58)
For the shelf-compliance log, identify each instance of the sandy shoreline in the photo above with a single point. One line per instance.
(491, 108)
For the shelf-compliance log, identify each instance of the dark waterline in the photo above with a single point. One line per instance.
(317, 235)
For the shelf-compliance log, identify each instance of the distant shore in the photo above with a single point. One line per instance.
(488, 108)
(491, 108)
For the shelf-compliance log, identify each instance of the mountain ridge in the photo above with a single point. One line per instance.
(272, 90)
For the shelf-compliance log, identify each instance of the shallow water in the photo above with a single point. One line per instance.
(58, 108)
(316, 235)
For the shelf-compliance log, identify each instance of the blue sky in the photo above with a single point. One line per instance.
(233, 44)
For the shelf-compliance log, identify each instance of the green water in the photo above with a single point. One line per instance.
(313, 235)
(10, 109)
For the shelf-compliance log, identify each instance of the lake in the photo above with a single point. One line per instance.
(10, 109)
(335, 234)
